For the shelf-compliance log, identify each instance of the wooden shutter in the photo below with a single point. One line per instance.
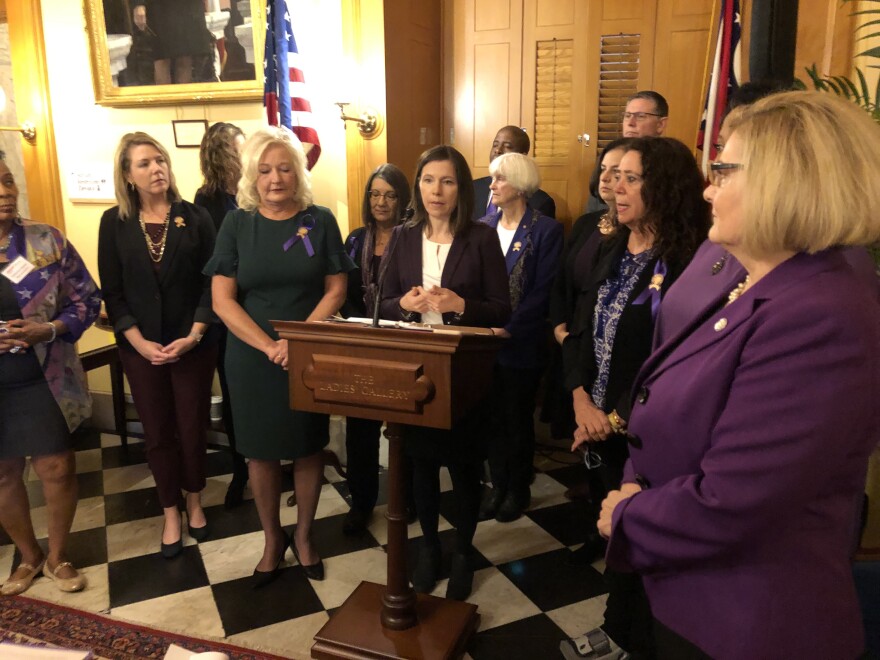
(553, 81)
(618, 80)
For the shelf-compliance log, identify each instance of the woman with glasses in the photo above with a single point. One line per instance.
(386, 198)
(660, 219)
(755, 422)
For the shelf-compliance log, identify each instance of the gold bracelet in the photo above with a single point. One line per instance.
(616, 421)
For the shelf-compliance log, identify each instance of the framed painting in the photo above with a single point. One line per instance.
(167, 52)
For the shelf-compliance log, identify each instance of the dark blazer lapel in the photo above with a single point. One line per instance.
(175, 233)
(456, 252)
(412, 254)
(130, 232)
(609, 253)
(520, 236)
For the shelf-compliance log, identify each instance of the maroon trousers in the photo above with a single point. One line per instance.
(173, 402)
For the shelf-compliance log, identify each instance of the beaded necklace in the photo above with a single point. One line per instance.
(155, 248)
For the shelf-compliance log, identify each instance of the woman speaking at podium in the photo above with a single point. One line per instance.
(444, 268)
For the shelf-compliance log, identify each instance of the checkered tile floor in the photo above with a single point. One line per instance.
(528, 596)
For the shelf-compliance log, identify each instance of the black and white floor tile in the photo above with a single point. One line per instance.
(529, 597)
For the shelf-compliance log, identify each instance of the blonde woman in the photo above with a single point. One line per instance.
(152, 248)
(278, 257)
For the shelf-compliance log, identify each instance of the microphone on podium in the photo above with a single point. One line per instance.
(383, 269)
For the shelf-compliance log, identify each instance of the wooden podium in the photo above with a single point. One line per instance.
(399, 376)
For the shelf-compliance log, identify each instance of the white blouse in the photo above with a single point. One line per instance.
(433, 260)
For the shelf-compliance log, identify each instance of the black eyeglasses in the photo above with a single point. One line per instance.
(639, 116)
(389, 196)
(718, 172)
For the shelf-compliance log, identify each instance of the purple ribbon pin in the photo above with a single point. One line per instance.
(653, 290)
(302, 233)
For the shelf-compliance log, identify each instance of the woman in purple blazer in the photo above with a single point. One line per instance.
(532, 243)
(751, 428)
(444, 268)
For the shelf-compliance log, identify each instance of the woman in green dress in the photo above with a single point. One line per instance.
(277, 257)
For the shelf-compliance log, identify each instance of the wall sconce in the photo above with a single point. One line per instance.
(27, 129)
(369, 123)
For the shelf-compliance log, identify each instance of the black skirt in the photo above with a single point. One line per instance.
(31, 423)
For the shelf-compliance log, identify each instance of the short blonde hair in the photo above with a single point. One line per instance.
(804, 153)
(127, 196)
(520, 170)
(254, 147)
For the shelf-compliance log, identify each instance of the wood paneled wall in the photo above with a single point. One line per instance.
(413, 79)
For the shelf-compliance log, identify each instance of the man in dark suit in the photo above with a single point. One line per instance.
(509, 138)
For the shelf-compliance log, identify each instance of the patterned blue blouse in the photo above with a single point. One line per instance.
(614, 294)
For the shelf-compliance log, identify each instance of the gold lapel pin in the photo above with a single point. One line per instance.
(656, 282)
(720, 324)
(517, 246)
(179, 222)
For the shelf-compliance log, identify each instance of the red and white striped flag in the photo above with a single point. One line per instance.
(724, 80)
(284, 83)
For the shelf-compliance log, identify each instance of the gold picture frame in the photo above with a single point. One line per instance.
(113, 89)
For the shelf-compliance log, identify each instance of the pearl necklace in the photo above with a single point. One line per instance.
(739, 289)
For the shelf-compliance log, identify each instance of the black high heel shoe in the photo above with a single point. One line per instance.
(171, 550)
(262, 578)
(313, 571)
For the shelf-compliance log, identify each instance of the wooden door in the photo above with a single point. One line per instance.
(563, 69)
(559, 68)
(681, 58)
(487, 86)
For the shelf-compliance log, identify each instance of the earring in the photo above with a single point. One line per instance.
(131, 186)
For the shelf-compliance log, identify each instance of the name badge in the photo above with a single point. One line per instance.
(17, 270)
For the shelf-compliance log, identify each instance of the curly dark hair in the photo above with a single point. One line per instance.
(461, 216)
(391, 175)
(675, 210)
(219, 159)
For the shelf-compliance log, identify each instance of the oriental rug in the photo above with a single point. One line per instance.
(27, 621)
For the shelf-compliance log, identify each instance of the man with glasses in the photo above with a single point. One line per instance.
(645, 115)
(509, 139)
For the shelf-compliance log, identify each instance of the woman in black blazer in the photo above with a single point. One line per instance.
(220, 162)
(152, 248)
(445, 268)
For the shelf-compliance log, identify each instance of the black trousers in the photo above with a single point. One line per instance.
(466, 491)
(512, 431)
(362, 448)
(628, 619)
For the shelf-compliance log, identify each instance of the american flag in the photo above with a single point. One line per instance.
(285, 94)
(724, 80)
